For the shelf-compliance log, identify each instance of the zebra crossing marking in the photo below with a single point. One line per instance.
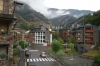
(48, 59)
(27, 60)
(37, 59)
(34, 60)
(40, 59)
(30, 60)
(43, 59)
(52, 59)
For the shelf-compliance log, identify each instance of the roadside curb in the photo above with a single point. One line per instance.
(57, 59)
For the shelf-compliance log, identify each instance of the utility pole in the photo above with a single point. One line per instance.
(83, 36)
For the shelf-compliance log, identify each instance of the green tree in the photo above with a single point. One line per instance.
(23, 44)
(24, 26)
(56, 35)
(93, 19)
(31, 26)
(72, 40)
(61, 42)
(55, 46)
(96, 61)
(88, 18)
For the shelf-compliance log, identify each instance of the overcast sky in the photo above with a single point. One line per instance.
(93, 5)
(42, 5)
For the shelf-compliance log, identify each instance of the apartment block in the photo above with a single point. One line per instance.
(40, 35)
(86, 36)
(64, 33)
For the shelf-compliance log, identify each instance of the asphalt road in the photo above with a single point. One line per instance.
(39, 61)
(21, 61)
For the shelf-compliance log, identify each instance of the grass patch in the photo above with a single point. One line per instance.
(72, 52)
(58, 54)
(62, 53)
(92, 53)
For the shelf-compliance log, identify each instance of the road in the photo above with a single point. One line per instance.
(39, 61)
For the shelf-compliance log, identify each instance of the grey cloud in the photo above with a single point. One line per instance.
(39, 6)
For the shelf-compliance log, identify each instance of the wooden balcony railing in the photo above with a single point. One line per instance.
(89, 41)
(89, 30)
(89, 36)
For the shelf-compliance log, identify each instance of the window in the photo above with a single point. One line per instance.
(78, 33)
(1, 4)
(78, 38)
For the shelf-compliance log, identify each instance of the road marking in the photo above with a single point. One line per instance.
(30, 60)
(37, 59)
(48, 59)
(34, 60)
(27, 60)
(43, 59)
(52, 59)
(40, 59)
(33, 50)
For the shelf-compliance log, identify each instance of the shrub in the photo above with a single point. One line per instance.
(15, 52)
(3, 55)
(15, 45)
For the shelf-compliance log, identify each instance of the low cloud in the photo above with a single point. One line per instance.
(77, 16)
(39, 6)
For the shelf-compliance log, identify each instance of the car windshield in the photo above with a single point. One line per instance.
(43, 52)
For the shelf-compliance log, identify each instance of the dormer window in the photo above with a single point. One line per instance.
(1, 5)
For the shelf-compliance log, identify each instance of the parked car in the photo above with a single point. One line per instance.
(31, 64)
(27, 52)
(26, 49)
(43, 54)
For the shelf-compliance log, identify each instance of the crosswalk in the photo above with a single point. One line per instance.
(40, 59)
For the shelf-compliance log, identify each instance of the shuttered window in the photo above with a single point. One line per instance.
(1, 4)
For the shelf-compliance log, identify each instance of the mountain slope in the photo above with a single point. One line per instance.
(67, 16)
(26, 14)
(63, 20)
(74, 12)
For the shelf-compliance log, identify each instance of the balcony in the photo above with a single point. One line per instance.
(89, 41)
(89, 30)
(7, 16)
(89, 36)
(6, 39)
(78, 41)
(77, 36)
